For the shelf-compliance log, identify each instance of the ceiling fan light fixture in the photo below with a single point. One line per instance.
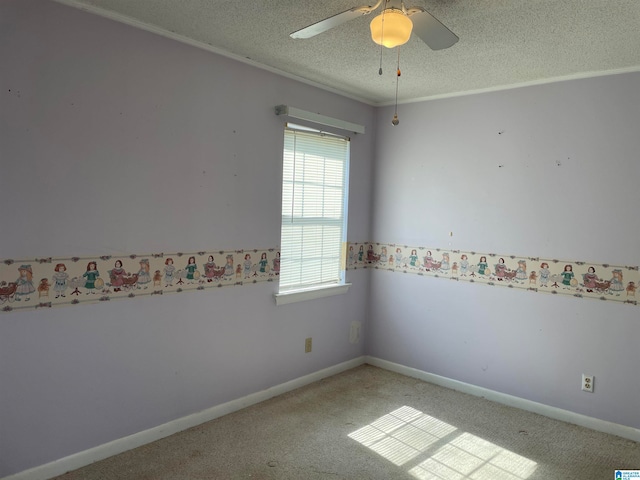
(391, 28)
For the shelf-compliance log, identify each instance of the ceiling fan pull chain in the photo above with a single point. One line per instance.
(381, 46)
(395, 120)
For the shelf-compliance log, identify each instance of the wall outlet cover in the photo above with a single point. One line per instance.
(587, 383)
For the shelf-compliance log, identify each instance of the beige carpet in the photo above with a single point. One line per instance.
(370, 423)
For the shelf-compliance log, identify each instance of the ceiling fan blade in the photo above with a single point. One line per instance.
(430, 30)
(333, 21)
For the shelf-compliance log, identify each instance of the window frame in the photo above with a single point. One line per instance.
(317, 290)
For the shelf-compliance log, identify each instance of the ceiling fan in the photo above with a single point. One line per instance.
(392, 27)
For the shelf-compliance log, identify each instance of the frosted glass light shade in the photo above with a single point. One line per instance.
(391, 28)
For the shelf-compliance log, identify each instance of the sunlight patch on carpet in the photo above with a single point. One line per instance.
(435, 450)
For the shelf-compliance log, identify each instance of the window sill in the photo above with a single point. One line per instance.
(295, 296)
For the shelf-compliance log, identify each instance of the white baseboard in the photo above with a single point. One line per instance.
(509, 400)
(87, 457)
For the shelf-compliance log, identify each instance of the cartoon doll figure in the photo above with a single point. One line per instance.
(413, 258)
(445, 264)
(117, 276)
(398, 257)
(544, 274)
(60, 280)
(464, 265)
(567, 276)
(428, 260)
(501, 269)
(617, 284)
(276, 264)
(352, 255)
(144, 275)
(482, 265)
(169, 272)
(521, 271)
(391, 261)
(263, 263)
(371, 255)
(91, 276)
(191, 269)
(209, 269)
(590, 278)
(228, 268)
(24, 283)
(246, 266)
(383, 255)
(361, 253)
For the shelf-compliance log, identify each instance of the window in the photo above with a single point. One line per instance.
(314, 198)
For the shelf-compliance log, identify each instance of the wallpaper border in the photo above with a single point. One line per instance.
(575, 278)
(43, 283)
(67, 281)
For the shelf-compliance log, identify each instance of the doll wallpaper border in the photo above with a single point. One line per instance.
(48, 282)
(43, 283)
(560, 277)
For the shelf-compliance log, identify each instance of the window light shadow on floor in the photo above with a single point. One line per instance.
(431, 449)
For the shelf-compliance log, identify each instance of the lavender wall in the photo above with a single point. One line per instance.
(117, 141)
(549, 171)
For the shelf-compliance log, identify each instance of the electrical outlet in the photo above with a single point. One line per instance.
(307, 345)
(587, 383)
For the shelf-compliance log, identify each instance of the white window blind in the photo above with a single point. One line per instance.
(314, 196)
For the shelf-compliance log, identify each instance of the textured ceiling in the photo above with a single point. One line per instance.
(502, 42)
